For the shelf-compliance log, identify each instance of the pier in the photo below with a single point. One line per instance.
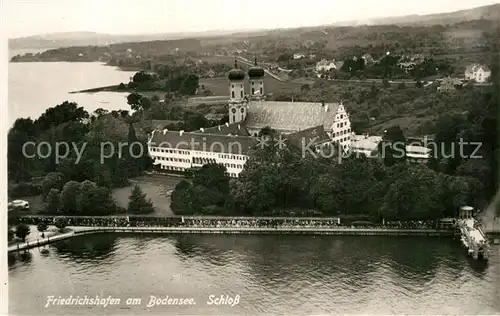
(472, 237)
(337, 231)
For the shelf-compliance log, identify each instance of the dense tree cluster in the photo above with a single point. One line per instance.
(82, 156)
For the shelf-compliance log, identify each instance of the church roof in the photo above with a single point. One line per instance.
(290, 116)
(236, 73)
(238, 145)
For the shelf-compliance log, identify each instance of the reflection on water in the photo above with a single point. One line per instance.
(279, 275)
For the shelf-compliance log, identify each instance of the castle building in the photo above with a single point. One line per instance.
(231, 144)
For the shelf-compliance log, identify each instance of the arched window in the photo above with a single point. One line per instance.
(232, 94)
(241, 94)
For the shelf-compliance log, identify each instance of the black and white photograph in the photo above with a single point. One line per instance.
(250, 158)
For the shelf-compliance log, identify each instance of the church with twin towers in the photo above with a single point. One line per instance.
(249, 113)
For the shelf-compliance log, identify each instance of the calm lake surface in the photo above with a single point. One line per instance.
(273, 275)
(35, 87)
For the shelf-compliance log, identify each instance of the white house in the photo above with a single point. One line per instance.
(478, 73)
(364, 144)
(180, 151)
(325, 65)
(299, 56)
(417, 154)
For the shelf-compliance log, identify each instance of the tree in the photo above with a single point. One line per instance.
(52, 202)
(213, 176)
(138, 202)
(414, 195)
(61, 223)
(53, 180)
(68, 198)
(93, 200)
(134, 99)
(392, 148)
(179, 200)
(145, 103)
(42, 227)
(22, 231)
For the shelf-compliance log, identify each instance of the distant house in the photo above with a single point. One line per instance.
(298, 56)
(417, 154)
(368, 59)
(211, 73)
(449, 84)
(366, 145)
(478, 73)
(407, 66)
(325, 65)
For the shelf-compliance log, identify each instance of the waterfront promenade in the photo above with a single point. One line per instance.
(336, 231)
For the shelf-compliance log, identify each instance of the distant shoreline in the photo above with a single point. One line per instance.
(113, 88)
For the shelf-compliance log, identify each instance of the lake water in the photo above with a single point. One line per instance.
(35, 87)
(273, 275)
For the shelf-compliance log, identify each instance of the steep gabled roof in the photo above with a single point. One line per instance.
(238, 145)
(314, 136)
(290, 116)
(227, 129)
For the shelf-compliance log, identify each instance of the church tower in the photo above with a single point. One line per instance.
(237, 99)
(256, 80)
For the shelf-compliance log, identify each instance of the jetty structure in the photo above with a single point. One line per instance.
(472, 237)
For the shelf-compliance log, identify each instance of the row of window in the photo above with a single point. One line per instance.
(343, 139)
(235, 157)
(343, 132)
(339, 125)
(173, 159)
(232, 165)
(186, 152)
(170, 151)
(173, 168)
(202, 161)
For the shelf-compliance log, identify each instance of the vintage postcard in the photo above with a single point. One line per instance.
(250, 158)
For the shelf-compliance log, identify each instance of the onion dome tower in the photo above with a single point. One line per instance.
(256, 75)
(237, 99)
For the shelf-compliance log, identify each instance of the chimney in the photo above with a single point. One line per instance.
(181, 132)
(227, 124)
(326, 108)
(202, 130)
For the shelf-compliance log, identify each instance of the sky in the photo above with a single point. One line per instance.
(29, 17)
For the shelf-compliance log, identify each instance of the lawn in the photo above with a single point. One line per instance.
(155, 188)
